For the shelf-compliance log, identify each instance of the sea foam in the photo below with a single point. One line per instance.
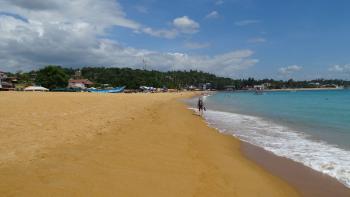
(285, 142)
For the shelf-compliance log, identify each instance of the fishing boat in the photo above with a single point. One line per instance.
(113, 90)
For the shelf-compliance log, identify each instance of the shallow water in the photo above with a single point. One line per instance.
(310, 127)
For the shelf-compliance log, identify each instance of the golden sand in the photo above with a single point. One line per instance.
(80, 144)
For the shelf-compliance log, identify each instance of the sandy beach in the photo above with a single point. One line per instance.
(80, 144)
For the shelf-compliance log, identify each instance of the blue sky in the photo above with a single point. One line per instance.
(235, 38)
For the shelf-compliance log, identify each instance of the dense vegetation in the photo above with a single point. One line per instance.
(52, 77)
(57, 77)
(135, 78)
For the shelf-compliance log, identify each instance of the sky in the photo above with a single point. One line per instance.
(233, 38)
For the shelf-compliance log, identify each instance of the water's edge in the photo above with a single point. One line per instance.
(285, 142)
(305, 180)
(318, 177)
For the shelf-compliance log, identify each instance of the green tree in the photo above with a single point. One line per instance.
(52, 77)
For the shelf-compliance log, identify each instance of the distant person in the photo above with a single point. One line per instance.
(200, 106)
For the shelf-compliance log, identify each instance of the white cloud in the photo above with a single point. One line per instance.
(257, 40)
(224, 64)
(340, 68)
(290, 69)
(164, 33)
(196, 45)
(36, 4)
(186, 25)
(212, 15)
(246, 22)
(71, 33)
(104, 14)
(180, 25)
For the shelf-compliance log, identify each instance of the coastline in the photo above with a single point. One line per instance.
(129, 145)
(287, 90)
(301, 89)
(307, 181)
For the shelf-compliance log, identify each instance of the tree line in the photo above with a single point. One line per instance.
(53, 76)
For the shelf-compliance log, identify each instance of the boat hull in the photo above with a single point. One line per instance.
(114, 90)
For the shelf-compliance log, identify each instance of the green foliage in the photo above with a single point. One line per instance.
(57, 77)
(52, 77)
(134, 78)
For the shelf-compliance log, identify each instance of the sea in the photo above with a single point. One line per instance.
(309, 127)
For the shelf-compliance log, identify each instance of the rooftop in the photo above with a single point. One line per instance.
(83, 81)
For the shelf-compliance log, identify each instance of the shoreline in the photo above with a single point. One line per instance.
(286, 90)
(302, 89)
(130, 145)
(307, 181)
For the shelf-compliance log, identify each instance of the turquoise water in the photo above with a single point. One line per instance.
(309, 127)
(325, 115)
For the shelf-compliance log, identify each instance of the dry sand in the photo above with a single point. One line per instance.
(79, 144)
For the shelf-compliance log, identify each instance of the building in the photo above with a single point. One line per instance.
(79, 83)
(7, 83)
(267, 85)
(316, 84)
(2, 77)
(206, 86)
(263, 86)
(259, 87)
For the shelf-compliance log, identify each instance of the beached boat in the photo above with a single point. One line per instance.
(114, 90)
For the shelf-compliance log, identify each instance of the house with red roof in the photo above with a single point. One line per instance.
(79, 83)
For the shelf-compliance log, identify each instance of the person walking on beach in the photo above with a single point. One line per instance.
(200, 106)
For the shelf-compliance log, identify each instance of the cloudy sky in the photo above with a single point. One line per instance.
(235, 38)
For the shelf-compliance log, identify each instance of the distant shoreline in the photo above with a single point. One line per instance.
(301, 89)
(285, 90)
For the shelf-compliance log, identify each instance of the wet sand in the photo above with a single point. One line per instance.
(307, 181)
(79, 144)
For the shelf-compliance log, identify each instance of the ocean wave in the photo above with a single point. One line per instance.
(285, 142)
